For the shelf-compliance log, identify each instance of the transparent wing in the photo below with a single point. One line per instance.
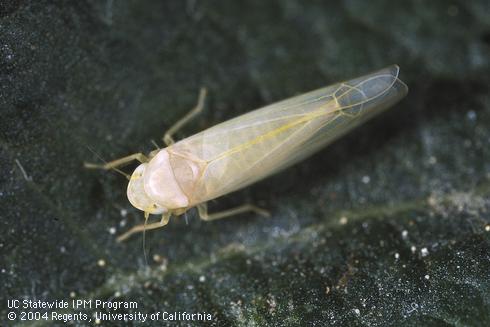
(250, 147)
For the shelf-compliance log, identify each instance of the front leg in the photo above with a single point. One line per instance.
(118, 162)
(145, 227)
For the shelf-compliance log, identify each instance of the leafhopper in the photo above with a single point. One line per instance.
(250, 147)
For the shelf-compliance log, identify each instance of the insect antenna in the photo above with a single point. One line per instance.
(144, 239)
(128, 177)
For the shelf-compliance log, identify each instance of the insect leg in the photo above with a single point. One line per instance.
(143, 227)
(203, 211)
(118, 162)
(167, 138)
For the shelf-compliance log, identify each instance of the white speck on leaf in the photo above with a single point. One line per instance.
(471, 115)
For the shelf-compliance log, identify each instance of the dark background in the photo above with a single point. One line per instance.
(388, 226)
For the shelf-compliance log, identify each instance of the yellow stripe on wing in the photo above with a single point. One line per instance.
(270, 134)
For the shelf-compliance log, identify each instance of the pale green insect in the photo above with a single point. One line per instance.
(243, 150)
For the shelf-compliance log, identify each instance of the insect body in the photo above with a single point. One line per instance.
(243, 150)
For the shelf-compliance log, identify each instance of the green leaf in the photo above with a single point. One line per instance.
(388, 226)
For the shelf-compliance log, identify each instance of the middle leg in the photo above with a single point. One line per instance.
(168, 137)
(203, 211)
